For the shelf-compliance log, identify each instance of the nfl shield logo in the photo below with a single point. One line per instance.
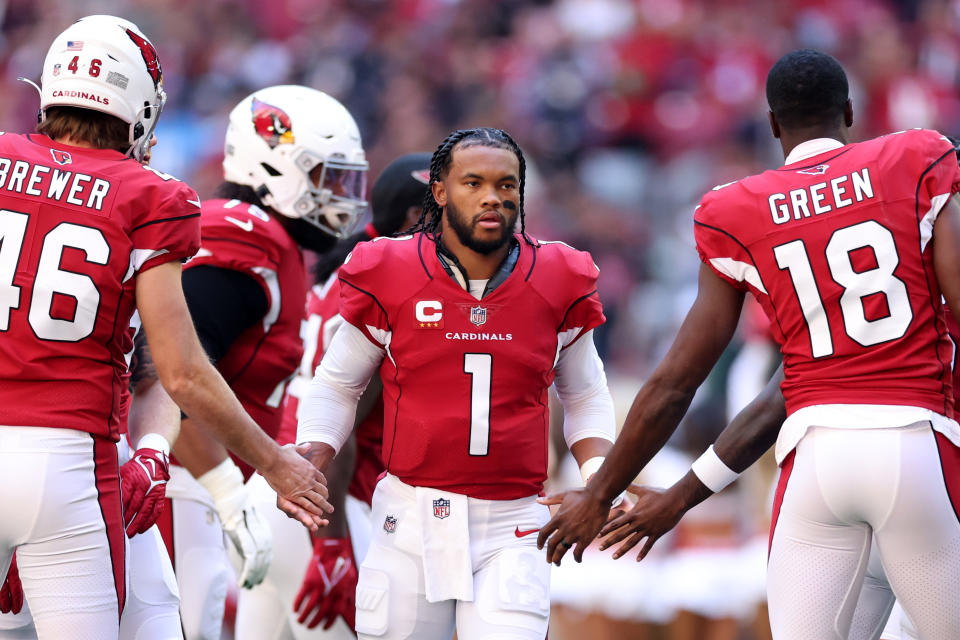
(441, 508)
(390, 524)
(478, 315)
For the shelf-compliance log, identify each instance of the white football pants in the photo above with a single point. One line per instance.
(152, 608)
(837, 488)
(60, 510)
(511, 578)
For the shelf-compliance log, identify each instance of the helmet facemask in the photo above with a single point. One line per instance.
(334, 199)
(300, 151)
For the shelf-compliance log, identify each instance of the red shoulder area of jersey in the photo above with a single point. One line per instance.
(404, 264)
(96, 181)
(821, 183)
(246, 224)
(561, 273)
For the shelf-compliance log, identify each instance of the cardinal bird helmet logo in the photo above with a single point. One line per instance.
(150, 57)
(272, 123)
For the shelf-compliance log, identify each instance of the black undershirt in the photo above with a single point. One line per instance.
(224, 303)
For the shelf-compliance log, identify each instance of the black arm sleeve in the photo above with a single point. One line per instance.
(224, 303)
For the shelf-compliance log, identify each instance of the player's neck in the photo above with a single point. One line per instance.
(478, 266)
(72, 142)
(789, 140)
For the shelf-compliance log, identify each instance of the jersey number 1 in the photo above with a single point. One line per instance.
(479, 367)
(857, 285)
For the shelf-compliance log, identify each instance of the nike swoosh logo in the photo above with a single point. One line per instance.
(195, 202)
(246, 225)
(520, 534)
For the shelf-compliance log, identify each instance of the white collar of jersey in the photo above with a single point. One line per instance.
(812, 148)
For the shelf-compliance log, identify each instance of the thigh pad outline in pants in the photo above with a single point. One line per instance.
(152, 611)
(511, 598)
(201, 567)
(391, 603)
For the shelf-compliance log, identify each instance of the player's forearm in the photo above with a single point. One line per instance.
(210, 403)
(588, 451)
(339, 473)
(186, 373)
(197, 450)
(153, 411)
(687, 493)
(754, 430)
(664, 399)
(328, 412)
(652, 419)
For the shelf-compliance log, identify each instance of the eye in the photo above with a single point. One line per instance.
(473, 183)
(510, 186)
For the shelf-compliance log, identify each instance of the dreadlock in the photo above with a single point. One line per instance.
(429, 222)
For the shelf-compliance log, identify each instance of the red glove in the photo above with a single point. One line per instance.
(11, 593)
(330, 585)
(143, 487)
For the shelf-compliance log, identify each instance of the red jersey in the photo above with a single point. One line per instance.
(259, 364)
(464, 380)
(836, 250)
(323, 314)
(77, 225)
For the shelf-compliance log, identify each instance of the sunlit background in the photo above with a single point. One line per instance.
(628, 111)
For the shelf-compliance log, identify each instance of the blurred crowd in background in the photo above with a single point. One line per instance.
(628, 110)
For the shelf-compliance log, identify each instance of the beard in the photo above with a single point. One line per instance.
(465, 228)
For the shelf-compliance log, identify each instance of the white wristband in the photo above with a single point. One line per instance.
(590, 467)
(154, 441)
(225, 485)
(712, 471)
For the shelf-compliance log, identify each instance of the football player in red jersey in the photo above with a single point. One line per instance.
(295, 174)
(310, 600)
(469, 323)
(848, 248)
(89, 235)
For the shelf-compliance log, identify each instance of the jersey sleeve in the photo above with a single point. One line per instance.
(721, 250)
(170, 231)
(585, 311)
(359, 302)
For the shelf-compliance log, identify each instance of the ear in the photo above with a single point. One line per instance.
(848, 113)
(774, 125)
(439, 193)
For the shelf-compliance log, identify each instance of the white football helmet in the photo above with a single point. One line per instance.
(279, 135)
(106, 64)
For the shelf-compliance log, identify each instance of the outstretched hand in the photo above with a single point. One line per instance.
(301, 488)
(576, 522)
(656, 512)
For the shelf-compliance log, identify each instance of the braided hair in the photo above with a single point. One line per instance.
(429, 222)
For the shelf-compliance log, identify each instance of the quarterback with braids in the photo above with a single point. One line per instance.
(469, 321)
